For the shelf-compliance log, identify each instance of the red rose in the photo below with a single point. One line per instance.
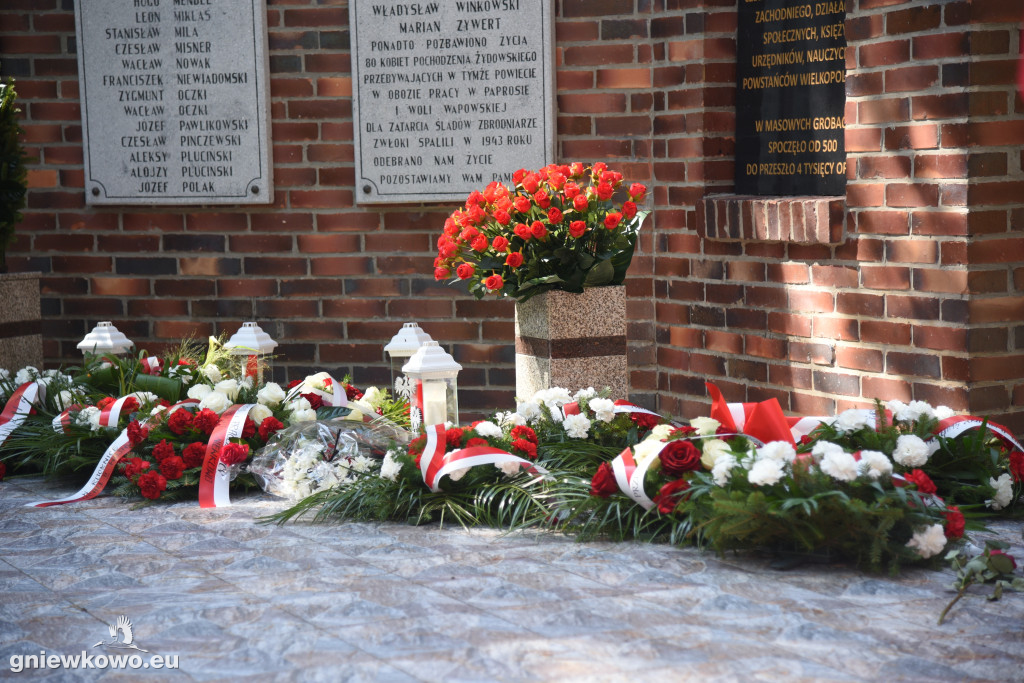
(523, 232)
(1017, 465)
(469, 234)
(249, 428)
(524, 432)
(629, 209)
(479, 243)
(134, 467)
(270, 426)
(571, 190)
(525, 448)
(152, 484)
(685, 430)
(105, 401)
(679, 457)
(577, 228)
(557, 179)
(465, 271)
(315, 402)
(499, 243)
(531, 182)
(603, 484)
(604, 191)
(352, 393)
(453, 437)
(923, 482)
(294, 383)
(612, 220)
(194, 454)
(576, 169)
(637, 192)
(502, 217)
(554, 215)
(441, 273)
(172, 467)
(954, 522)
(494, 282)
(137, 433)
(538, 230)
(180, 421)
(580, 202)
(477, 441)
(205, 421)
(163, 450)
(522, 204)
(542, 199)
(234, 453)
(515, 259)
(668, 496)
(643, 420)
(599, 168)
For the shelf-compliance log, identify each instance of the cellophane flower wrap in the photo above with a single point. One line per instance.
(563, 227)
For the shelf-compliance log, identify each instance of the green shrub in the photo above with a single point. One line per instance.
(12, 169)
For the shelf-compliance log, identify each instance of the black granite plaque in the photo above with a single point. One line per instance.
(790, 98)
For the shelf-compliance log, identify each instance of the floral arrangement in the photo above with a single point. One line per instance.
(557, 228)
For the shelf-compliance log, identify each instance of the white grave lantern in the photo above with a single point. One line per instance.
(252, 347)
(406, 342)
(435, 398)
(105, 339)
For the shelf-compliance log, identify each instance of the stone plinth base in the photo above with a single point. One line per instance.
(21, 338)
(572, 341)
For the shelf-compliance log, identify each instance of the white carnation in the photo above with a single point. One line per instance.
(65, 399)
(555, 397)
(510, 419)
(705, 426)
(215, 401)
(839, 465)
(26, 374)
(529, 410)
(781, 451)
(391, 467)
(307, 415)
(146, 397)
(588, 393)
(875, 464)
(576, 426)
(259, 412)
(157, 409)
(722, 471)
(766, 472)
(943, 412)
(271, 394)
(488, 429)
(712, 450)
(199, 391)
(88, 417)
(1003, 487)
(228, 387)
(455, 475)
(4, 374)
(854, 419)
(922, 409)
(824, 448)
(928, 541)
(910, 451)
(604, 409)
(212, 373)
(509, 468)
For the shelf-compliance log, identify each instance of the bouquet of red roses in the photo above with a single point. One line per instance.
(557, 228)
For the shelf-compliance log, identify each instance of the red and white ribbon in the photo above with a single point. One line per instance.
(62, 423)
(152, 365)
(630, 477)
(953, 427)
(215, 480)
(18, 406)
(435, 463)
(112, 413)
(121, 447)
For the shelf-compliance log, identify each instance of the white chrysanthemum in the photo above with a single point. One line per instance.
(839, 465)
(488, 429)
(259, 412)
(576, 426)
(359, 463)
(271, 394)
(854, 419)
(308, 415)
(823, 448)
(766, 472)
(781, 451)
(529, 410)
(199, 391)
(604, 409)
(509, 468)
(705, 426)
(391, 467)
(26, 374)
(228, 387)
(215, 401)
(212, 373)
(661, 432)
(875, 464)
(588, 393)
(722, 471)
(712, 450)
(943, 412)
(928, 541)
(455, 475)
(1003, 487)
(910, 451)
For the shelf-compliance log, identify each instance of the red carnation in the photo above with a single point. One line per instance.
(603, 484)
(163, 450)
(524, 432)
(152, 484)
(526, 448)
(180, 421)
(494, 282)
(954, 522)
(668, 496)
(270, 426)
(248, 429)
(206, 421)
(194, 454)
(415, 447)
(129, 406)
(105, 401)
(172, 467)
(234, 453)
(1017, 465)
(134, 467)
(476, 441)
(453, 437)
(679, 457)
(515, 259)
(923, 482)
(644, 420)
(136, 433)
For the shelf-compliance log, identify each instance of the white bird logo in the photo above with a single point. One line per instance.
(123, 627)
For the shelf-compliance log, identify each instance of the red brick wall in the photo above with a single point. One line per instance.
(920, 299)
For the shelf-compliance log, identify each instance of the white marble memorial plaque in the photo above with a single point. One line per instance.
(174, 101)
(449, 95)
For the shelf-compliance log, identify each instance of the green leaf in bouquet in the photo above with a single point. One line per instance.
(584, 260)
(601, 274)
(164, 387)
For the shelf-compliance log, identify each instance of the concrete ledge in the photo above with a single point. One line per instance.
(800, 220)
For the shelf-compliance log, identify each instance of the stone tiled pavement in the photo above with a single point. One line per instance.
(237, 600)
